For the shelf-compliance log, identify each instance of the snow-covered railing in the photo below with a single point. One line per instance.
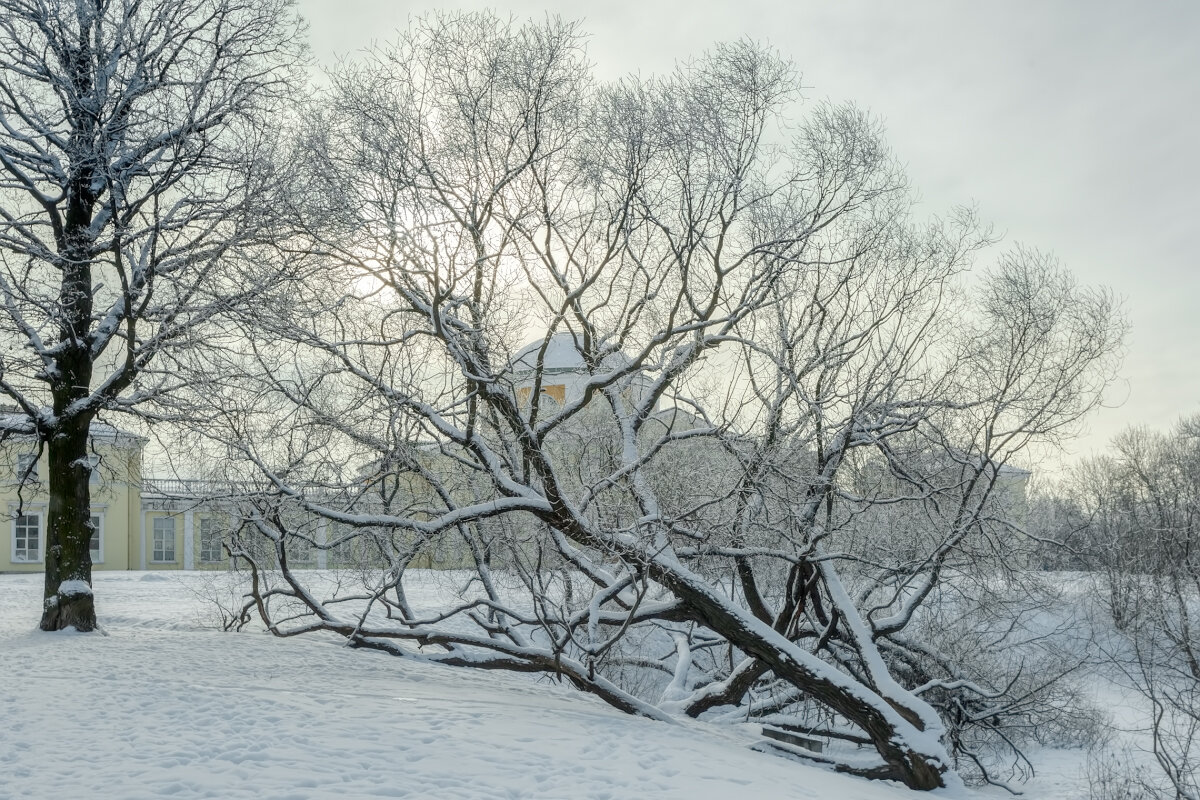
(191, 487)
(203, 488)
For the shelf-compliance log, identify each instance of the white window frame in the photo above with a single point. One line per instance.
(214, 530)
(98, 555)
(41, 534)
(23, 461)
(155, 550)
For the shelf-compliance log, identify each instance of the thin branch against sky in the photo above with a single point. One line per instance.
(1071, 126)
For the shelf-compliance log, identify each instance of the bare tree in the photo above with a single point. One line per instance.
(1140, 508)
(134, 156)
(776, 374)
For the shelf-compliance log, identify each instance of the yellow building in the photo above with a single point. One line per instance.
(116, 497)
(140, 523)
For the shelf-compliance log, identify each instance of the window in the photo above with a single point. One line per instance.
(96, 545)
(27, 537)
(299, 549)
(341, 554)
(94, 467)
(210, 540)
(27, 467)
(164, 540)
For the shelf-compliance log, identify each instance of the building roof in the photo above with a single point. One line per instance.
(15, 422)
(563, 354)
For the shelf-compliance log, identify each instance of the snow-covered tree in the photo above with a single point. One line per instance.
(790, 420)
(1138, 510)
(135, 143)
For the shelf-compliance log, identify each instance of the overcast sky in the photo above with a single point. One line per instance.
(1073, 126)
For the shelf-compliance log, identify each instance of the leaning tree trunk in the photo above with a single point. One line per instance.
(913, 756)
(918, 766)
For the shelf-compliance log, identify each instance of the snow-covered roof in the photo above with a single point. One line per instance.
(563, 354)
(1009, 471)
(17, 423)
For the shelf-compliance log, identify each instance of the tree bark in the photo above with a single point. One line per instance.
(69, 523)
(915, 769)
(905, 761)
(69, 532)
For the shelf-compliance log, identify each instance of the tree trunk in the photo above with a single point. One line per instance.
(68, 603)
(917, 770)
(68, 593)
(916, 764)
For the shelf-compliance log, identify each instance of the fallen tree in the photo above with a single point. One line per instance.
(767, 421)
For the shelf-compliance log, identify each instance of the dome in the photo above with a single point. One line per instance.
(562, 355)
(564, 377)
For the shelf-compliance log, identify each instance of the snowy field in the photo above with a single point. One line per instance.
(164, 706)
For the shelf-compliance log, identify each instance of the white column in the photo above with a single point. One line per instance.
(322, 553)
(189, 541)
(142, 537)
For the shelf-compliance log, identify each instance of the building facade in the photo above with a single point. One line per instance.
(138, 523)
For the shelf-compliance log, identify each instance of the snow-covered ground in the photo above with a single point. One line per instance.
(163, 706)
